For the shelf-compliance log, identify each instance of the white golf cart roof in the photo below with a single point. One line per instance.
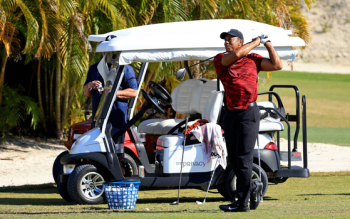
(191, 40)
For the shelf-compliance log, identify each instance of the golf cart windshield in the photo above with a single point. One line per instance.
(112, 82)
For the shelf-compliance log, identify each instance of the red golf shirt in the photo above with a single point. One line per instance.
(239, 79)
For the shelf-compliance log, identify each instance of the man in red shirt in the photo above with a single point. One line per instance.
(238, 71)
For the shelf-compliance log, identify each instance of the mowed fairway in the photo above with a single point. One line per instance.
(327, 99)
(323, 195)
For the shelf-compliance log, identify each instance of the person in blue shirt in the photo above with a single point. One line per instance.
(127, 90)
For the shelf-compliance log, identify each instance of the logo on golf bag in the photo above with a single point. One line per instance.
(200, 164)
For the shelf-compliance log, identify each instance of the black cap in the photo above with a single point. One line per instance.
(233, 32)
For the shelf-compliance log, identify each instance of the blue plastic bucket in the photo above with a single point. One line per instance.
(121, 195)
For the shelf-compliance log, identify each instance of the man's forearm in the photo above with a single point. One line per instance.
(242, 51)
(126, 94)
(245, 49)
(274, 57)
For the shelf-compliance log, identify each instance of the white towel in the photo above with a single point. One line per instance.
(212, 142)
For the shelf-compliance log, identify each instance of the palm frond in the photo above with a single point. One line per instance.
(67, 7)
(15, 107)
(208, 9)
(309, 2)
(9, 37)
(301, 26)
(32, 26)
(44, 32)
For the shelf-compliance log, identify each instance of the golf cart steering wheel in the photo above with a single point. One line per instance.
(149, 100)
(160, 92)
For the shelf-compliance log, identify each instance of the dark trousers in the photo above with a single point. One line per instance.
(241, 128)
(120, 140)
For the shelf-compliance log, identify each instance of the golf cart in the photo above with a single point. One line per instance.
(158, 144)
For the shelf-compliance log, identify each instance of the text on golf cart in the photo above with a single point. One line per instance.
(200, 164)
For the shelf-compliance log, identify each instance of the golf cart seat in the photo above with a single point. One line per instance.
(190, 97)
(158, 126)
(268, 121)
(211, 112)
(172, 144)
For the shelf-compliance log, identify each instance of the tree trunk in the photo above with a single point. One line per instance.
(67, 74)
(46, 87)
(4, 57)
(39, 98)
(3, 67)
(51, 95)
(196, 70)
(58, 98)
(58, 80)
(65, 95)
(71, 98)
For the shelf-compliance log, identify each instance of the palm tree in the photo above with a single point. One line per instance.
(44, 47)
(16, 17)
(11, 12)
(78, 19)
(56, 30)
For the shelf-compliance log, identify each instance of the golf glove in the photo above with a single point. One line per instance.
(264, 38)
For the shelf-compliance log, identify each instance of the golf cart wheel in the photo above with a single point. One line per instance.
(62, 188)
(85, 185)
(57, 166)
(130, 165)
(264, 179)
(229, 188)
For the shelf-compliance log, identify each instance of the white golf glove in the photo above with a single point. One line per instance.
(264, 38)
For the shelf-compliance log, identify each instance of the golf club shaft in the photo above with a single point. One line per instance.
(259, 165)
(182, 160)
(210, 58)
(211, 178)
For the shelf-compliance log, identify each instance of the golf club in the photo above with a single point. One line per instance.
(261, 197)
(202, 203)
(180, 74)
(182, 160)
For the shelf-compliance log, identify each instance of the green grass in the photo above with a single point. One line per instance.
(327, 96)
(313, 85)
(337, 136)
(327, 104)
(323, 195)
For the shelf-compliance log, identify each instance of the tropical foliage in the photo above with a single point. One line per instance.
(55, 34)
(17, 108)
